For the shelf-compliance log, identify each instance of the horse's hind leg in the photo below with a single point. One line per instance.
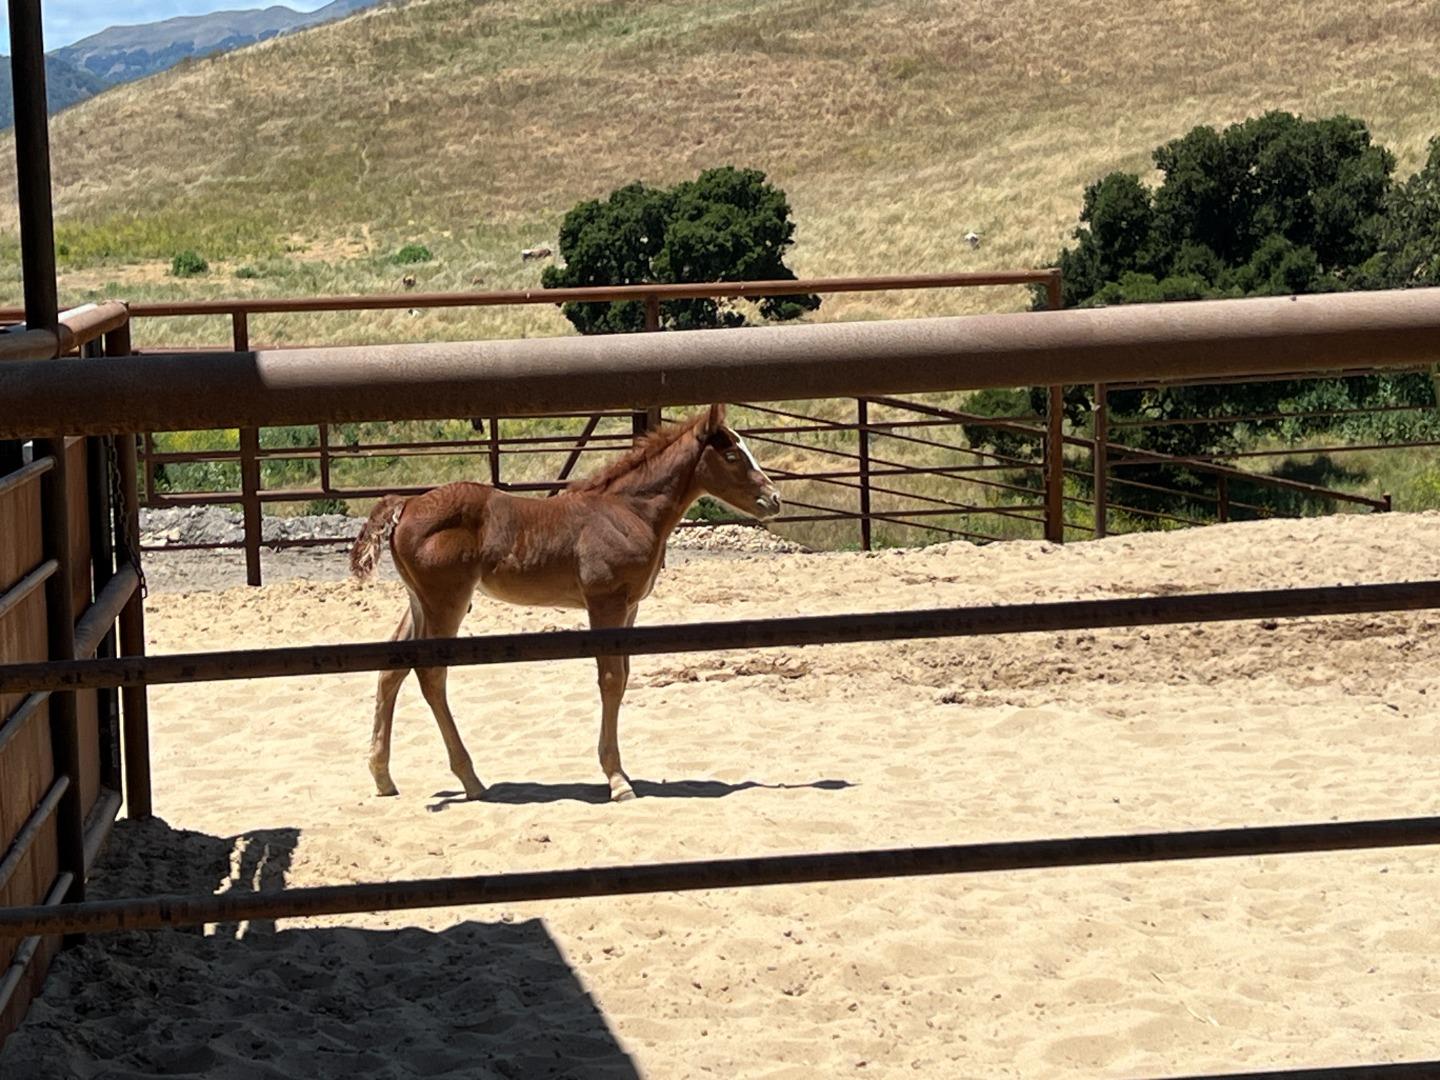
(387, 689)
(444, 621)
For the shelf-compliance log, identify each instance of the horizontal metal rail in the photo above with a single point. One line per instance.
(1314, 414)
(16, 721)
(78, 326)
(1122, 455)
(1352, 372)
(156, 913)
(25, 838)
(571, 375)
(30, 945)
(26, 473)
(588, 294)
(703, 637)
(1301, 451)
(25, 344)
(89, 322)
(15, 595)
(99, 618)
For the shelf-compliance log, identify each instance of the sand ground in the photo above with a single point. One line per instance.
(1159, 970)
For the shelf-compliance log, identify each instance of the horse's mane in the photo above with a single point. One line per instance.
(646, 449)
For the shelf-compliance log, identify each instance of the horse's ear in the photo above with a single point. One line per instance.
(714, 420)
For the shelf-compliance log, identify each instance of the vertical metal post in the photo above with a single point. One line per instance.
(492, 424)
(32, 166)
(149, 455)
(1054, 441)
(99, 470)
(249, 467)
(1055, 465)
(862, 419)
(1222, 496)
(1100, 458)
(324, 430)
(134, 699)
(648, 419)
(60, 628)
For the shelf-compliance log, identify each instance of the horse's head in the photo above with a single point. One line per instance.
(729, 472)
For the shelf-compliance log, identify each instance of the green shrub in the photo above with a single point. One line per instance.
(247, 272)
(412, 253)
(327, 506)
(708, 509)
(188, 264)
(728, 224)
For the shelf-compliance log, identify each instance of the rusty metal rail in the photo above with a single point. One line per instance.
(252, 456)
(637, 371)
(588, 294)
(161, 912)
(312, 660)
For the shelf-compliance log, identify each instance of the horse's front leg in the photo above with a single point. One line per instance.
(614, 675)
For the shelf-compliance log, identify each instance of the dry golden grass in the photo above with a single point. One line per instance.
(894, 125)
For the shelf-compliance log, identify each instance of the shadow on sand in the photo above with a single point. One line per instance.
(523, 793)
(475, 1000)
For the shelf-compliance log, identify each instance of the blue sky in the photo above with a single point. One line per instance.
(67, 21)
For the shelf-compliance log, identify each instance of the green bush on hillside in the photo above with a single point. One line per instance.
(728, 224)
(188, 263)
(412, 253)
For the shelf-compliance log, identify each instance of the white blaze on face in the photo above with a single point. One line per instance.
(740, 443)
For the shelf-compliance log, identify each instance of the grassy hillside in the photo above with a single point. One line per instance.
(895, 125)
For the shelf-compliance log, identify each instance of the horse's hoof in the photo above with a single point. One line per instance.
(624, 794)
(474, 795)
(386, 790)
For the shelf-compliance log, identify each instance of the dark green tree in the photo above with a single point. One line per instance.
(1274, 205)
(1408, 250)
(728, 224)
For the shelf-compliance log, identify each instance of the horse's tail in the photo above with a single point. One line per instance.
(365, 555)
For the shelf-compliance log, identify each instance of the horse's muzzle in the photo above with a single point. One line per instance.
(768, 504)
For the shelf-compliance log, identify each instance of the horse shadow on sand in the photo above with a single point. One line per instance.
(528, 792)
(476, 1000)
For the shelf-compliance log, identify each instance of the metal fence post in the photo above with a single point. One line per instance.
(1054, 439)
(1055, 465)
(134, 700)
(1222, 496)
(324, 434)
(648, 419)
(493, 426)
(862, 416)
(101, 468)
(249, 468)
(1100, 458)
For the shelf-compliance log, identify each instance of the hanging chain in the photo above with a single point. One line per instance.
(124, 517)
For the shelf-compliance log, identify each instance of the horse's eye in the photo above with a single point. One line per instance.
(730, 455)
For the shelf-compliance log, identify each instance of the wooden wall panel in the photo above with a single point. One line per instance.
(20, 549)
(27, 761)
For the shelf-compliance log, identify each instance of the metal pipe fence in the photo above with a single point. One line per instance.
(251, 461)
(62, 676)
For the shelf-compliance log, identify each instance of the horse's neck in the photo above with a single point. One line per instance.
(663, 491)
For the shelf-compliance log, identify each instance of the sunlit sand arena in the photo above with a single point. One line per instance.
(1154, 970)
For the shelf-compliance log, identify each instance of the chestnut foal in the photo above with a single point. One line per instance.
(598, 545)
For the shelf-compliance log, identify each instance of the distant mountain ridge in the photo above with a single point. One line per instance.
(121, 54)
(65, 84)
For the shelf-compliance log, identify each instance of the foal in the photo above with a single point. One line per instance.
(598, 545)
